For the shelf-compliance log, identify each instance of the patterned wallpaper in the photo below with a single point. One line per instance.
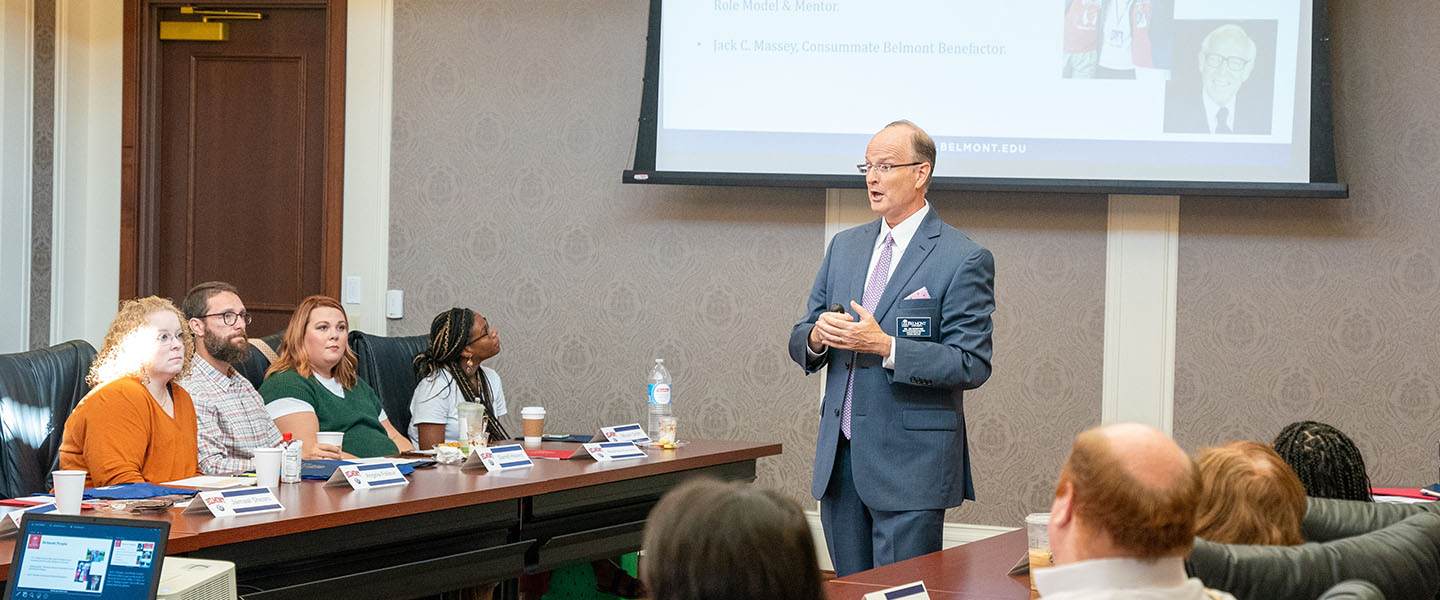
(42, 195)
(512, 123)
(1326, 310)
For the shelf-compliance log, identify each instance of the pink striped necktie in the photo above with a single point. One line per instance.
(874, 288)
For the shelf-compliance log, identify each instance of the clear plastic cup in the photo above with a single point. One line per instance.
(1037, 532)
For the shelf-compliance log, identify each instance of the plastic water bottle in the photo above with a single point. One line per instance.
(290, 462)
(658, 384)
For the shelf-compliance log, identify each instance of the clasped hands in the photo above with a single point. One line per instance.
(838, 330)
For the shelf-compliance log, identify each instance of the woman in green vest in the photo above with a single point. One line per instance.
(312, 387)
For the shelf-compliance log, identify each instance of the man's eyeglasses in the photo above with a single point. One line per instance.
(1234, 63)
(882, 167)
(229, 317)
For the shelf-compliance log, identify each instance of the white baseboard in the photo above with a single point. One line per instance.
(955, 534)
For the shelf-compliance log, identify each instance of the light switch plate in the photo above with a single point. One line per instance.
(352, 289)
(394, 304)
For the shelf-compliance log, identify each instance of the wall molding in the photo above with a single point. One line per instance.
(1141, 265)
(369, 94)
(17, 164)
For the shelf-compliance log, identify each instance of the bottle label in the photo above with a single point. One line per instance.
(659, 393)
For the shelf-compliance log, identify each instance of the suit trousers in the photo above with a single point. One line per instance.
(861, 538)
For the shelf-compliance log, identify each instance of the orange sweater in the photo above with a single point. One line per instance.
(119, 434)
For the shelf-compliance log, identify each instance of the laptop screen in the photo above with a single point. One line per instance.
(60, 557)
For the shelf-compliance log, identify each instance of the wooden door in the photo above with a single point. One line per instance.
(234, 155)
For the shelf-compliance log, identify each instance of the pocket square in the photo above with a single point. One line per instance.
(920, 294)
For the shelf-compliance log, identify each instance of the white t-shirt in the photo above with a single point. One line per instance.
(1116, 37)
(436, 400)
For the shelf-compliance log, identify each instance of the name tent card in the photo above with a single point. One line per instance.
(909, 591)
(623, 433)
(364, 477)
(11, 522)
(228, 503)
(498, 458)
(608, 451)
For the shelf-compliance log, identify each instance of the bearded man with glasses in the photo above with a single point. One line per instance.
(230, 415)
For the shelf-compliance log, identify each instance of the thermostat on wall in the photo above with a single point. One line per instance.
(394, 304)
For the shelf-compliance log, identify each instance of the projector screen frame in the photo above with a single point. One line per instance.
(1324, 181)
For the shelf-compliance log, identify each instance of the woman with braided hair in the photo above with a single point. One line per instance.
(1328, 463)
(450, 373)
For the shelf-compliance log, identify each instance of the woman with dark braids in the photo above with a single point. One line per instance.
(1327, 462)
(450, 373)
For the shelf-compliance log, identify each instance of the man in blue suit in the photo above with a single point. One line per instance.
(918, 294)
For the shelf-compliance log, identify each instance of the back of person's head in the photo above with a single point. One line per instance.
(1132, 493)
(1327, 462)
(292, 347)
(709, 540)
(1248, 496)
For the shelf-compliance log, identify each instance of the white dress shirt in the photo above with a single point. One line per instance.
(1212, 107)
(902, 233)
(1123, 579)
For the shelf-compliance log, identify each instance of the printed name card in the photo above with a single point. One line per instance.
(909, 591)
(608, 451)
(623, 433)
(11, 522)
(913, 327)
(364, 477)
(228, 503)
(498, 458)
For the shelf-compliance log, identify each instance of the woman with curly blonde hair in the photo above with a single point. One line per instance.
(136, 424)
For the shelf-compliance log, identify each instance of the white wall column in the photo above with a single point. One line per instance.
(369, 91)
(17, 85)
(85, 275)
(1141, 264)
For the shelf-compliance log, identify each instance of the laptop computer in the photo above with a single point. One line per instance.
(63, 557)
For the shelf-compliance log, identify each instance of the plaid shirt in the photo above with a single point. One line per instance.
(230, 418)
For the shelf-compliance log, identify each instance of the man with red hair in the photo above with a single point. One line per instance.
(1123, 519)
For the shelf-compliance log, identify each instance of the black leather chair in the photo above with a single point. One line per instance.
(38, 389)
(1353, 589)
(254, 367)
(1402, 560)
(385, 364)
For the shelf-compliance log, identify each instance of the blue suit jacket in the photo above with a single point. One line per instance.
(907, 426)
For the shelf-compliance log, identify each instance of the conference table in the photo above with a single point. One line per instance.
(446, 529)
(974, 571)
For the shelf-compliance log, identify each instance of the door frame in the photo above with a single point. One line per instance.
(139, 113)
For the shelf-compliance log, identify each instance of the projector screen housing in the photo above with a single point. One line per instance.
(787, 93)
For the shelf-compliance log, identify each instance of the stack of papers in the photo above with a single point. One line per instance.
(213, 482)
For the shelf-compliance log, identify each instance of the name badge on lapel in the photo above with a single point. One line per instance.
(913, 327)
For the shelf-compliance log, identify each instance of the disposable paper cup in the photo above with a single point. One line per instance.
(334, 438)
(532, 419)
(1037, 532)
(69, 487)
(267, 467)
